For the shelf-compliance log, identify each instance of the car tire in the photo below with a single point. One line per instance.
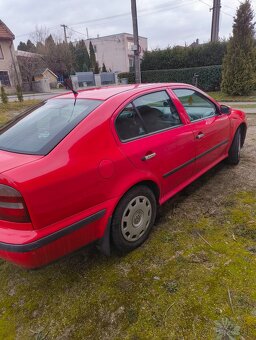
(133, 219)
(234, 151)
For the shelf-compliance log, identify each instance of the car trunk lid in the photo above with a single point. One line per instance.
(11, 160)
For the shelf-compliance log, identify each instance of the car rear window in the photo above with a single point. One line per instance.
(39, 130)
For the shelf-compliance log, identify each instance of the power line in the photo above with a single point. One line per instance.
(153, 10)
(205, 3)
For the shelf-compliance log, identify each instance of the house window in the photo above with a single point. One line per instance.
(130, 45)
(4, 78)
(1, 53)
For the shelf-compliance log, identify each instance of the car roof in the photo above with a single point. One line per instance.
(103, 93)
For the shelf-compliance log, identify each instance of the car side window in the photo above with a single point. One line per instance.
(129, 124)
(157, 111)
(196, 105)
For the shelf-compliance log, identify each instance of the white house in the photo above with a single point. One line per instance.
(115, 51)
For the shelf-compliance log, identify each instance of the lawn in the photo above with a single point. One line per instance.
(221, 97)
(7, 111)
(194, 271)
(193, 278)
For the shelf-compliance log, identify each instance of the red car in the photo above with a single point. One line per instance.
(95, 168)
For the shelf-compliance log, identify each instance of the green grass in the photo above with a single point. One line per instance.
(8, 110)
(219, 96)
(190, 274)
(244, 106)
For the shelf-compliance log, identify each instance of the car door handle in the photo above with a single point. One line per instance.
(200, 135)
(148, 156)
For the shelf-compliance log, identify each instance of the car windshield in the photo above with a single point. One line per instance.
(39, 130)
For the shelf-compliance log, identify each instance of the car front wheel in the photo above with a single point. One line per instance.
(133, 218)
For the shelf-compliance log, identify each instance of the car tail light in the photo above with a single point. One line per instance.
(12, 205)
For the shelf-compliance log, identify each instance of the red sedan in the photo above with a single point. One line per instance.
(96, 168)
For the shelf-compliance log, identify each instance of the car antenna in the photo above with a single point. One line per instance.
(67, 82)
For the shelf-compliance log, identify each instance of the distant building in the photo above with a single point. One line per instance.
(46, 73)
(195, 43)
(116, 51)
(9, 68)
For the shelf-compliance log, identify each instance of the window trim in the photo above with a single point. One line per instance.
(200, 95)
(10, 84)
(141, 119)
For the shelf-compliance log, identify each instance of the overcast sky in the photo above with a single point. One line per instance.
(164, 23)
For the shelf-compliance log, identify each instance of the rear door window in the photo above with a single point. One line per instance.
(129, 124)
(157, 111)
(147, 114)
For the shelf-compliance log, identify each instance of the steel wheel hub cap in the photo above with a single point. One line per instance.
(136, 218)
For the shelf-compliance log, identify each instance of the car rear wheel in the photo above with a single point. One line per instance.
(133, 218)
(235, 149)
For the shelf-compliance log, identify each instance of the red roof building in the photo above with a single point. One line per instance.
(9, 68)
(5, 33)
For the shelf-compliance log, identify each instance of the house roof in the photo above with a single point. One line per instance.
(114, 35)
(26, 54)
(5, 33)
(43, 70)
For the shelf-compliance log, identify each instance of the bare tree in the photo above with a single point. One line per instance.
(40, 34)
(30, 64)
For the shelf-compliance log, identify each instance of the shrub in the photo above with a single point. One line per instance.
(4, 97)
(19, 93)
(128, 75)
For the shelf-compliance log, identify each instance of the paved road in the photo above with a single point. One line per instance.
(38, 96)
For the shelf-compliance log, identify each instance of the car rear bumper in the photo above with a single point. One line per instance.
(35, 248)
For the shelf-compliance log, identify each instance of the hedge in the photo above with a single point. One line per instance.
(209, 77)
(180, 57)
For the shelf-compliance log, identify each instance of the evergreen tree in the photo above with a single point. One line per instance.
(30, 46)
(239, 65)
(92, 57)
(72, 51)
(49, 42)
(22, 46)
(82, 57)
(97, 68)
(104, 69)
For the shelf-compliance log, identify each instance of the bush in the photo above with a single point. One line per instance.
(209, 77)
(128, 75)
(4, 97)
(19, 93)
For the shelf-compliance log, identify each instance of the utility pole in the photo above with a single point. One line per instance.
(65, 32)
(136, 42)
(215, 20)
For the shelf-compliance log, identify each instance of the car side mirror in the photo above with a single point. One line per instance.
(225, 109)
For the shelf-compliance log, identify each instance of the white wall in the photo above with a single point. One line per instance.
(114, 50)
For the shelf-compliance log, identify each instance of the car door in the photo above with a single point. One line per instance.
(157, 139)
(211, 129)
